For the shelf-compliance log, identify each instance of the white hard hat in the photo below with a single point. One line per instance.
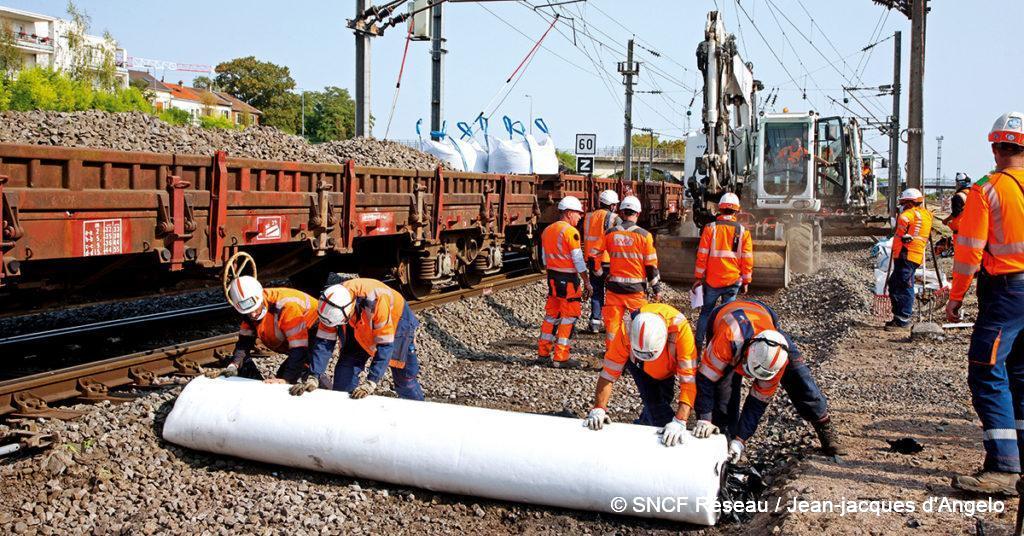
(729, 200)
(647, 336)
(1009, 128)
(767, 355)
(912, 194)
(336, 305)
(608, 197)
(570, 202)
(245, 294)
(630, 203)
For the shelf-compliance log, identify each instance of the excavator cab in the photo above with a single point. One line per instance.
(785, 163)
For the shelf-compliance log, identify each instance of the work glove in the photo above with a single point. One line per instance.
(588, 290)
(906, 239)
(597, 419)
(704, 429)
(674, 433)
(227, 372)
(736, 450)
(305, 386)
(364, 390)
(696, 284)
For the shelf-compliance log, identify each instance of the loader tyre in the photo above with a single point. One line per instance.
(819, 238)
(800, 246)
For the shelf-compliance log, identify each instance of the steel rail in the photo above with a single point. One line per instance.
(30, 396)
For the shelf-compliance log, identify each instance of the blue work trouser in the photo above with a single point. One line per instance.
(995, 370)
(656, 396)
(597, 298)
(353, 359)
(808, 400)
(711, 297)
(901, 289)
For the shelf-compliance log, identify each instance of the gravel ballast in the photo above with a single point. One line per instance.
(111, 472)
(136, 131)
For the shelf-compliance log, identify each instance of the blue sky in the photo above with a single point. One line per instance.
(970, 78)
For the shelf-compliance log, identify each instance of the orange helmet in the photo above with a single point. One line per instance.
(1009, 128)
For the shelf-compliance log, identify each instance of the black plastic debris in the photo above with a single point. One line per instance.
(906, 445)
(741, 483)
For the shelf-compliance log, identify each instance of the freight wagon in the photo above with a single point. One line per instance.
(81, 225)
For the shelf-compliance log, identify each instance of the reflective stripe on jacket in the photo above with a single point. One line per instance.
(679, 358)
(633, 260)
(558, 241)
(991, 233)
(595, 225)
(734, 324)
(725, 255)
(377, 312)
(915, 222)
(290, 316)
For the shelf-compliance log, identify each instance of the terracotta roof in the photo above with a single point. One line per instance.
(239, 105)
(194, 94)
(151, 82)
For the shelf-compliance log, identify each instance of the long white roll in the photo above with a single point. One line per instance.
(502, 455)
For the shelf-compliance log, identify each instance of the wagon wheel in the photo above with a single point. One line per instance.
(236, 267)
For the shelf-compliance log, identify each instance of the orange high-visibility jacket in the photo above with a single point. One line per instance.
(290, 316)
(559, 242)
(679, 358)
(915, 222)
(375, 319)
(991, 231)
(735, 323)
(595, 225)
(633, 261)
(725, 255)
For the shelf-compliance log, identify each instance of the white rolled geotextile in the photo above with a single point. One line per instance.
(464, 450)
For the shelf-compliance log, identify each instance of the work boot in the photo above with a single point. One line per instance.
(831, 443)
(992, 483)
(896, 325)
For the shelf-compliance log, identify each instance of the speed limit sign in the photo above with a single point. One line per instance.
(586, 144)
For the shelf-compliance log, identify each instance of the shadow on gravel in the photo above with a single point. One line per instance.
(459, 349)
(508, 314)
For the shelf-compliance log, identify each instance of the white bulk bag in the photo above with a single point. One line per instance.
(474, 155)
(510, 155)
(542, 149)
(444, 150)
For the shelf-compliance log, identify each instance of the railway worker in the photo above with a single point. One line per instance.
(745, 341)
(991, 243)
(563, 257)
(913, 227)
(956, 204)
(793, 153)
(595, 225)
(656, 347)
(632, 269)
(282, 319)
(374, 323)
(725, 260)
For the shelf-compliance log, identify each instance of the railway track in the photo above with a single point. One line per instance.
(31, 396)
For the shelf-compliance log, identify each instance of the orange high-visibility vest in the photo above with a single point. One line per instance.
(595, 225)
(735, 323)
(679, 358)
(631, 250)
(375, 320)
(915, 222)
(558, 241)
(991, 233)
(725, 255)
(290, 316)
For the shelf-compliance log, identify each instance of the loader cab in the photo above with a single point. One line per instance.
(785, 163)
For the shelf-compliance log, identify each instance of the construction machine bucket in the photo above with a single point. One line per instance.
(677, 257)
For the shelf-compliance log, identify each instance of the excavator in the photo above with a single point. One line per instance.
(792, 171)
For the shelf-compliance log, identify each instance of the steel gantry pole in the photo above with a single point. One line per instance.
(894, 126)
(915, 131)
(628, 69)
(437, 53)
(362, 76)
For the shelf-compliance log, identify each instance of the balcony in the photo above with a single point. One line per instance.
(33, 43)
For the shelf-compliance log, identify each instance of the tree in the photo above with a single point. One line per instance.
(643, 141)
(204, 82)
(10, 56)
(94, 63)
(330, 115)
(566, 160)
(256, 82)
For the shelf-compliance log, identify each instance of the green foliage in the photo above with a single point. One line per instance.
(204, 82)
(216, 121)
(330, 115)
(45, 89)
(10, 56)
(567, 160)
(176, 116)
(5, 94)
(266, 86)
(643, 141)
(94, 63)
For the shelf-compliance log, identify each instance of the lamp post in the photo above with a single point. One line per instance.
(531, 111)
